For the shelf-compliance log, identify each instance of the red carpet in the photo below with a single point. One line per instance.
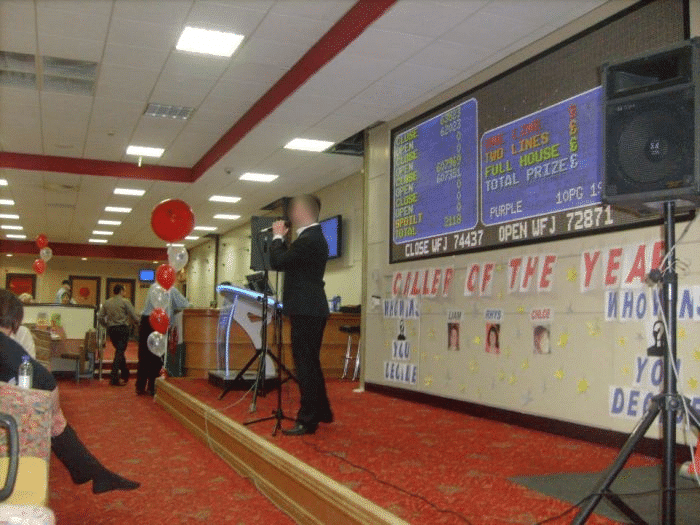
(182, 481)
(456, 462)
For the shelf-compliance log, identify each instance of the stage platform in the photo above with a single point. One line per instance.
(386, 460)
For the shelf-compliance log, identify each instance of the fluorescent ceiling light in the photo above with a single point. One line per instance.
(3, 182)
(7, 202)
(15, 236)
(205, 228)
(227, 217)
(9, 216)
(117, 209)
(177, 244)
(128, 191)
(191, 238)
(97, 241)
(101, 232)
(258, 177)
(11, 227)
(144, 151)
(109, 223)
(308, 145)
(224, 198)
(208, 42)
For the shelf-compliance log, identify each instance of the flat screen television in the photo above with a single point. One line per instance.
(333, 232)
(147, 276)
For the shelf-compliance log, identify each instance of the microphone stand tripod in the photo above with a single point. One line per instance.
(668, 405)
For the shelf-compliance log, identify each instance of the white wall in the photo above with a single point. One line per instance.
(343, 275)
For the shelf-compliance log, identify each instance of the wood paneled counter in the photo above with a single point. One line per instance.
(199, 326)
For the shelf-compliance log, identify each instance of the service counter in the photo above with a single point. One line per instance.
(199, 327)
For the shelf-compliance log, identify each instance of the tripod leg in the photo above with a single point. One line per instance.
(604, 485)
(239, 375)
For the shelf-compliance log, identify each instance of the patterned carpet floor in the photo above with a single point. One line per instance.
(182, 481)
(426, 465)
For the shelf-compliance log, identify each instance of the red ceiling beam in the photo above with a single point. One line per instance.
(104, 168)
(353, 23)
(93, 251)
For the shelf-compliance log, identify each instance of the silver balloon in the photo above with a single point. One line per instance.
(46, 254)
(178, 257)
(160, 297)
(156, 343)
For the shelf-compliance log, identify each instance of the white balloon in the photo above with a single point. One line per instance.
(156, 343)
(178, 257)
(46, 254)
(160, 297)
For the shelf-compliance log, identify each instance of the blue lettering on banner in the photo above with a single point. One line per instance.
(639, 303)
(401, 308)
(633, 403)
(401, 350)
(405, 373)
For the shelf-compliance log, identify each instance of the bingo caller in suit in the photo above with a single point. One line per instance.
(304, 301)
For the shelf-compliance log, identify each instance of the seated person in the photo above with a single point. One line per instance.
(81, 465)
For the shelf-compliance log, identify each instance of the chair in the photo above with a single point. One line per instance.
(42, 343)
(351, 330)
(89, 345)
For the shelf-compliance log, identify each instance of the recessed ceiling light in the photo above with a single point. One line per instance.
(7, 202)
(308, 145)
(15, 236)
(224, 198)
(101, 232)
(3, 182)
(177, 244)
(145, 151)
(191, 238)
(205, 228)
(208, 42)
(129, 191)
(117, 209)
(83, 258)
(227, 217)
(97, 241)
(8, 255)
(258, 177)
(168, 111)
(9, 216)
(11, 227)
(109, 223)
(155, 262)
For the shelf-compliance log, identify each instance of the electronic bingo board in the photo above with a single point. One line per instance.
(533, 179)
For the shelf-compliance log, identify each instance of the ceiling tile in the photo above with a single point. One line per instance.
(66, 47)
(138, 33)
(433, 19)
(89, 25)
(224, 17)
(125, 83)
(480, 28)
(291, 29)
(134, 57)
(269, 51)
(319, 10)
(388, 45)
(171, 12)
(450, 55)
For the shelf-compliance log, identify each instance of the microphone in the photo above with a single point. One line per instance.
(269, 228)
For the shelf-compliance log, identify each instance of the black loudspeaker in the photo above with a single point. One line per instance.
(651, 134)
(260, 242)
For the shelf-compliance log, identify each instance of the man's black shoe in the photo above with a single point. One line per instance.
(327, 418)
(299, 430)
(118, 383)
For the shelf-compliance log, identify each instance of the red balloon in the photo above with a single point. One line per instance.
(42, 241)
(165, 275)
(172, 220)
(159, 320)
(84, 292)
(39, 266)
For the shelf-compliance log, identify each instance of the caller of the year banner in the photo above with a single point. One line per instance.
(434, 176)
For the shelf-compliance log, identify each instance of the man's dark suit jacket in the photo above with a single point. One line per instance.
(303, 263)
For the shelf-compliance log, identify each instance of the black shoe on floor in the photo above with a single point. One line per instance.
(299, 430)
(327, 418)
(118, 383)
(111, 481)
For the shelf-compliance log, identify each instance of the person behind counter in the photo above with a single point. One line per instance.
(304, 301)
(63, 290)
(117, 315)
(150, 364)
(81, 464)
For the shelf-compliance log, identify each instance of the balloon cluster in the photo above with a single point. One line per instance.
(45, 254)
(172, 220)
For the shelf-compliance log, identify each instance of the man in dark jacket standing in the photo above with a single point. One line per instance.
(304, 301)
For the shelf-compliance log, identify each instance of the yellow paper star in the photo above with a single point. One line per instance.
(559, 374)
(692, 383)
(512, 379)
(428, 381)
(413, 332)
(682, 334)
(427, 310)
(501, 375)
(582, 386)
(423, 355)
(477, 340)
(506, 351)
(521, 309)
(499, 267)
(386, 344)
(571, 274)
(593, 329)
(431, 334)
(696, 355)
(438, 357)
(563, 339)
(500, 295)
(622, 341)
(626, 371)
(462, 388)
(473, 366)
(525, 364)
